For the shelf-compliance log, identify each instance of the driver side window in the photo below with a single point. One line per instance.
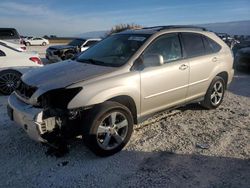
(167, 46)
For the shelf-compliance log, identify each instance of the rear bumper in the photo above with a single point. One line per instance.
(27, 117)
(230, 77)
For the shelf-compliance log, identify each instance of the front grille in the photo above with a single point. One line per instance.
(53, 52)
(43, 128)
(25, 90)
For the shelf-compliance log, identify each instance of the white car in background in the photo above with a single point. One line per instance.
(19, 47)
(13, 64)
(36, 41)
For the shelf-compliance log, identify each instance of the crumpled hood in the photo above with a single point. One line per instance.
(60, 47)
(63, 74)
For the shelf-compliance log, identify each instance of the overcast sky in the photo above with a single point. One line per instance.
(69, 18)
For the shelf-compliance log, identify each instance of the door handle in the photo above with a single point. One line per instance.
(214, 59)
(183, 67)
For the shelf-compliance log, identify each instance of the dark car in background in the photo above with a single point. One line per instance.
(10, 35)
(243, 44)
(63, 52)
(242, 58)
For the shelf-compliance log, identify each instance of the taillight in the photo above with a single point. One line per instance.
(36, 60)
(23, 48)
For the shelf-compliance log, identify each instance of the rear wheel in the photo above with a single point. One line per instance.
(108, 129)
(215, 93)
(8, 81)
(27, 44)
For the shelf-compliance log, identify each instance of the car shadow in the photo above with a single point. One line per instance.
(192, 106)
(129, 168)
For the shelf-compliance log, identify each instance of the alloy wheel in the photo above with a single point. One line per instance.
(8, 82)
(217, 93)
(112, 130)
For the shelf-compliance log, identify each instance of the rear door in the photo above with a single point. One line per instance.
(202, 61)
(164, 85)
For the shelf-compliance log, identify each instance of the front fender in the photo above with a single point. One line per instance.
(101, 91)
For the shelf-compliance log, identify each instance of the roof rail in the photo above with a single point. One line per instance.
(159, 28)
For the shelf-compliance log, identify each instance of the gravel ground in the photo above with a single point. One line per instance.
(188, 147)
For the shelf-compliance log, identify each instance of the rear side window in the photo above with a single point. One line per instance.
(210, 45)
(193, 44)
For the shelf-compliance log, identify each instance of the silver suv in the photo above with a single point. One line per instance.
(119, 82)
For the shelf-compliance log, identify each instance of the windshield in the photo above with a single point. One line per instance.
(76, 42)
(113, 51)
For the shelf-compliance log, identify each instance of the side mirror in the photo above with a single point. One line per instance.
(152, 60)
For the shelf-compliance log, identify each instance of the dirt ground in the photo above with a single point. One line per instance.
(188, 147)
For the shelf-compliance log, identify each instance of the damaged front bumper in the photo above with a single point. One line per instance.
(52, 57)
(29, 118)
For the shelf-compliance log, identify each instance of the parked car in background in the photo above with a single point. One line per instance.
(25, 38)
(242, 58)
(119, 82)
(19, 47)
(230, 41)
(14, 63)
(10, 35)
(63, 52)
(243, 44)
(36, 41)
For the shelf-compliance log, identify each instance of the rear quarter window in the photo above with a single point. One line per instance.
(211, 45)
(193, 44)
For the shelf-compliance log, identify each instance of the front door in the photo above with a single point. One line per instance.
(164, 85)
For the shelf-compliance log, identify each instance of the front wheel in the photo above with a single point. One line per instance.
(8, 81)
(215, 93)
(44, 43)
(108, 129)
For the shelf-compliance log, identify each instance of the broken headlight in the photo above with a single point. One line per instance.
(58, 98)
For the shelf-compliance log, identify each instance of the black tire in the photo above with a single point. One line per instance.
(8, 81)
(214, 97)
(106, 143)
(27, 44)
(44, 43)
